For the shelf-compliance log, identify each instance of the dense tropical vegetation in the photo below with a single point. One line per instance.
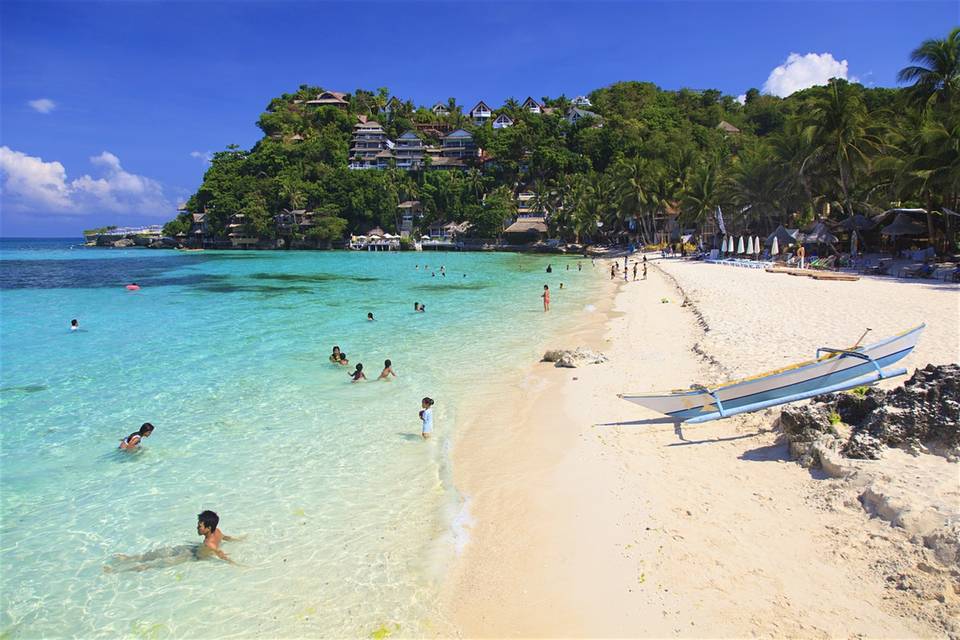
(827, 151)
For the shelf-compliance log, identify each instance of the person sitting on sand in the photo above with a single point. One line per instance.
(426, 415)
(357, 374)
(387, 371)
(74, 325)
(336, 355)
(132, 441)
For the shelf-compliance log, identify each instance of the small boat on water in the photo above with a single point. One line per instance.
(835, 370)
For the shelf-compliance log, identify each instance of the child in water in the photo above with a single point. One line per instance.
(343, 361)
(426, 415)
(387, 371)
(358, 374)
(132, 441)
(336, 355)
(74, 325)
(370, 317)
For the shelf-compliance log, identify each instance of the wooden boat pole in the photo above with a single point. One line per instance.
(860, 339)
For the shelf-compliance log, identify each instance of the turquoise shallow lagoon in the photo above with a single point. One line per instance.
(348, 516)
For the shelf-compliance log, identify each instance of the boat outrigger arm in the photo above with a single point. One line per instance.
(874, 376)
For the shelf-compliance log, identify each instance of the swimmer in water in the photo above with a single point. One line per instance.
(213, 537)
(387, 371)
(546, 298)
(74, 325)
(370, 317)
(357, 374)
(133, 440)
(336, 355)
(343, 361)
(416, 307)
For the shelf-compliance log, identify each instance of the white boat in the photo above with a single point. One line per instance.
(837, 370)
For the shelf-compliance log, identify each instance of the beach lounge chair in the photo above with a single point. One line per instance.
(882, 268)
(825, 263)
(923, 270)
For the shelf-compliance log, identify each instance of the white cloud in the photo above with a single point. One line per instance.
(742, 98)
(205, 156)
(800, 72)
(42, 105)
(31, 184)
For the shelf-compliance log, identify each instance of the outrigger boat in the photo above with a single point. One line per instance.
(832, 370)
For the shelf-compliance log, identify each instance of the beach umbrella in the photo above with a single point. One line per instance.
(904, 225)
(784, 235)
(424, 237)
(749, 244)
(740, 245)
(858, 222)
(756, 245)
(854, 242)
(819, 234)
(775, 248)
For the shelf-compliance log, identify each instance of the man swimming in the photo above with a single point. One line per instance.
(213, 537)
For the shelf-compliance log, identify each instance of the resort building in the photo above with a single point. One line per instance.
(576, 114)
(440, 109)
(330, 99)
(526, 205)
(581, 101)
(447, 230)
(726, 127)
(526, 229)
(409, 151)
(441, 163)
(198, 228)
(295, 220)
(239, 238)
(532, 105)
(369, 139)
(409, 212)
(481, 113)
(503, 121)
(393, 105)
(459, 144)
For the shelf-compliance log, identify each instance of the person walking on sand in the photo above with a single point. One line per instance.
(801, 253)
(644, 270)
(626, 276)
(546, 298)
(613, 271)
(387, 371)
(426, 416)
(634, 271)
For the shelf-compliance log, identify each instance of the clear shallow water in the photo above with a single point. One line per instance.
(347, 514)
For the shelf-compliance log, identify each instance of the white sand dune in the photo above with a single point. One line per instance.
(590, 522)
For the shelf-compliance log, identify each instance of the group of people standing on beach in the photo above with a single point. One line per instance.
(615, 268)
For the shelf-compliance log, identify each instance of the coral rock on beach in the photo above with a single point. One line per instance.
(122, 243)
(923, 411)
(572, 359)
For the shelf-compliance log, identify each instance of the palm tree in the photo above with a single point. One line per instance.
(845, 138)
(754, 186)
(936, 74)
(702, 194)
(635, 179)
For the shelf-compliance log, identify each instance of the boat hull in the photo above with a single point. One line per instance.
(801, 380)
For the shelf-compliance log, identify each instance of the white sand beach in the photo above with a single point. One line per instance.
(586, 525)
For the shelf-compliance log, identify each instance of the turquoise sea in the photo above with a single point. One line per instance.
(349, 518)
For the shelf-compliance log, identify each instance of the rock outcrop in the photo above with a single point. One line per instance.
(123, 243)
(924, 411)
(573, 358)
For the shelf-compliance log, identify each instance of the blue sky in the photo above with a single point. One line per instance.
(103, 103)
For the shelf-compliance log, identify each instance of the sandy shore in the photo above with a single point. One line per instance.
(586, 525)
